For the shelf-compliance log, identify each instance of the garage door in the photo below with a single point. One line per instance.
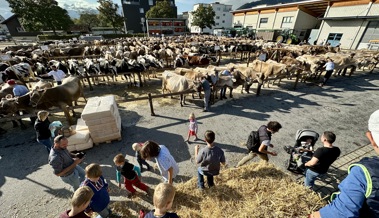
(372, 32)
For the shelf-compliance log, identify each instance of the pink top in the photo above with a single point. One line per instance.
(193, 125)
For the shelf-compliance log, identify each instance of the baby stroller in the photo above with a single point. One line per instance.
(302, 151)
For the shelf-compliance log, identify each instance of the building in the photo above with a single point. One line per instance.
(166, 26)
(3, 27)
(350, 23)
(134, 12)
(17, 31)
(223, 18)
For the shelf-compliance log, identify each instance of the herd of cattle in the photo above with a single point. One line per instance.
(139, 57)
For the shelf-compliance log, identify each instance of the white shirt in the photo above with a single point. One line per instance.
(165, 161)
(329, 65)
(58, 75)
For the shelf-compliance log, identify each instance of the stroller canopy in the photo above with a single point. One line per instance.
(302, 133)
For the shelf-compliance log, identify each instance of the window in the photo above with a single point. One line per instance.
(141, 10)
(219, 9)
(151, 2)
(172, 3)
(263, 22)
(20, 29)
(223, 15)
(217, 17)
(287, 19)
(142, 19)
(217, 24)
(223, 21)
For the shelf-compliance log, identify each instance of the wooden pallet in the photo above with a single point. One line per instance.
(108, 141)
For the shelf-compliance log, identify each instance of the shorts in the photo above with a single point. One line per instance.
(191, 133)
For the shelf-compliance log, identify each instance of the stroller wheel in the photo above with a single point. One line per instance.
(288, 149)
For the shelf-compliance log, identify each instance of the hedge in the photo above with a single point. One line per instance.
(56, 37)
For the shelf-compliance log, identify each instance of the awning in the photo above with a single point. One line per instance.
(350, 18)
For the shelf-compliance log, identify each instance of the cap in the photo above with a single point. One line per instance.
(11, 82)
(373, 126)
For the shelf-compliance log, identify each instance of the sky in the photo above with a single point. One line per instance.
(76, 5)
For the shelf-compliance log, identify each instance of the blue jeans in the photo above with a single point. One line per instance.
(310, 178)
(75, 178)
(47, 143)
(200, 178)
(104, 213)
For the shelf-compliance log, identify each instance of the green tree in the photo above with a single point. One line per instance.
(37, 15)
(162, 9)
(203, 17)
(88, 18)
(108, 14)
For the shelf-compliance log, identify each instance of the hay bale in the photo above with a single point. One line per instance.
(254, 190)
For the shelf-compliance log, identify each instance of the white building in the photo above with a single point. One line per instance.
(351, 24)
(223, 18)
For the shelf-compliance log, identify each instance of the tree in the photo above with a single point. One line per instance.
(37, 15)
(203, 17)
(88, 18)
(162, 9)
(108, 14)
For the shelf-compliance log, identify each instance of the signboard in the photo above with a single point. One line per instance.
(262, 57)
(5, 57)
(217, 47)
(74, 39)
(44, 47)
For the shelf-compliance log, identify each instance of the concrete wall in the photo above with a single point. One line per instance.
(269, 23)
(305, 21)
(279, 19)
(352, 31)
(238, 20)
(356, 10)
(251, 20)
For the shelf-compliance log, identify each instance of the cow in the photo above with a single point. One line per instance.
(201, 60)
(173, 82)
(267, 70)
(60, 96)
(128, 68)
(20, 71)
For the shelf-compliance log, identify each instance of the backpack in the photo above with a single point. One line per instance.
(252, 143)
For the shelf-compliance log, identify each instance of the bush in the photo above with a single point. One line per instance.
(56, 37)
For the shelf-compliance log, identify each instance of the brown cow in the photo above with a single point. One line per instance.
(59, 96)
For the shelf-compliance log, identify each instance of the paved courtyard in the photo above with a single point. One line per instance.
(28, 187)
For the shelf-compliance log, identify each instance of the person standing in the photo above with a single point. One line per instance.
(166, 163)
(322, 159)
(57, 74)
(192, 127)
(264, 132)
(223, 89)
(358, 195)
(42, 130)
(207, 92)
(66, 164)
(137, 148)
(18, 90)
(210, 158)
(329, 67)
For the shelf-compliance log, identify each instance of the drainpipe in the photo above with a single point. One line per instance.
(273, 23)
(360, 27)
(322, 22)
(244, 18)
(256, 25)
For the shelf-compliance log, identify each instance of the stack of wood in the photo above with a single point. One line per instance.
(103, 119)
(81, 139)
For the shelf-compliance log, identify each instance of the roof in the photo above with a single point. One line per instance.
(316, 8)
(9, 18)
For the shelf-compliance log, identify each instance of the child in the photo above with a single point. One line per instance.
(100, 200)
(131, 178)
(163, 198)
(137, 148)
(192, 126)
(209, 159)
(304, 150)
(79, 202)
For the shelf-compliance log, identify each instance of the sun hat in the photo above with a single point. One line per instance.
(373, 126)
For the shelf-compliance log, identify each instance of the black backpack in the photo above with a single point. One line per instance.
(253, 142)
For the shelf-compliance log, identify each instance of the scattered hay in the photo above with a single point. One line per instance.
(254, 190)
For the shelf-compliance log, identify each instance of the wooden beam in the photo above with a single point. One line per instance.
(306, 10)
(351, 3)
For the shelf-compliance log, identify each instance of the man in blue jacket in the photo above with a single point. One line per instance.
(359, 191)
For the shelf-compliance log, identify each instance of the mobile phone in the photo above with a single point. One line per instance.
(80, 155)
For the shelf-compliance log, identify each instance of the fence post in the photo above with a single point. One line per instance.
(248, 59)
(151, 104)
(89, 82)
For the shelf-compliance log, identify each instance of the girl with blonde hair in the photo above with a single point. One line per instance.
(192, 127)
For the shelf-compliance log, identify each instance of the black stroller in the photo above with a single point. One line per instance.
(302, 151)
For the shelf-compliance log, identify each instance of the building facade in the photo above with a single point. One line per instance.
(3, 27)
(134, 12)
(165, 26)
(223, 18)
(348, 23)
